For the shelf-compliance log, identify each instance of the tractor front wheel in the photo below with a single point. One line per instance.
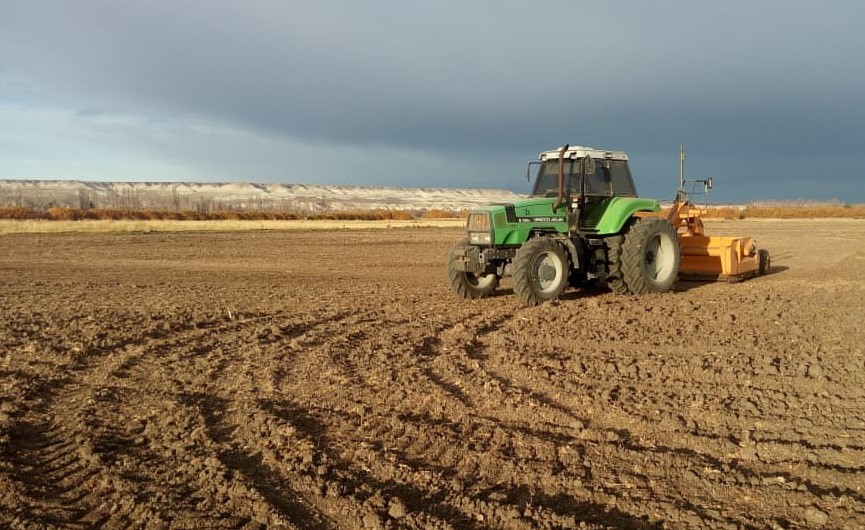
(764, 262)
(650, 256)
(466, 284)
(540, 271)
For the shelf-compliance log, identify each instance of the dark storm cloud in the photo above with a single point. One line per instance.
(745, 84)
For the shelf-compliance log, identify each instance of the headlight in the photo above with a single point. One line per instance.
(479, 229)
(480, 238)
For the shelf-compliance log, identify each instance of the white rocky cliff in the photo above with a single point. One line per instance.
(40, 194)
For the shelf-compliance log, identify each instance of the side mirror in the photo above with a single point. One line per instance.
(529, 169)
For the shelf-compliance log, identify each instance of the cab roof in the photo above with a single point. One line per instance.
(581, 151)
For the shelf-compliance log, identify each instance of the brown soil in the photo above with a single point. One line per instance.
(331, 380)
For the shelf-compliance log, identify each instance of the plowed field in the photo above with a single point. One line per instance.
(331, 380)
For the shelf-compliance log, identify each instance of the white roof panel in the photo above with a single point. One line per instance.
(580, 151)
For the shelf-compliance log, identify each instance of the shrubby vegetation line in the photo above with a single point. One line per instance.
(104, 214)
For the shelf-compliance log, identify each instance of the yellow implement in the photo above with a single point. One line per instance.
(731, 258)
(706, 257)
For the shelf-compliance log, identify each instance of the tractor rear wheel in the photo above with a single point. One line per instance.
(540, 270)
(467, 284)
(650, 256)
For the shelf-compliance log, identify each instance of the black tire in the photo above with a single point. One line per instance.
(466, 284)
(650, 256)
(764, 262)
(615, 278)
(540, 271)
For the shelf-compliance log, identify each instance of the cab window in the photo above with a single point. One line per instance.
(611, 178)
(548, 174)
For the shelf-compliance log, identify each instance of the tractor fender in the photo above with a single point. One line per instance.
(577, 255)
(620, 210)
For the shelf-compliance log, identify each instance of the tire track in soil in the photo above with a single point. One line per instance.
(54, 479)
(70, 443)
(379, 485)
(273, 484)
(516, 444)
(349, 418)
(503, 439)
(748, 475)
(505, 450)
(613, 459)
(280, 491)
(245, 484)
(439, 412)
(431, 512)
(492, 492)
(338, 492)
(57, 459)
(397, 444)
(763, 402)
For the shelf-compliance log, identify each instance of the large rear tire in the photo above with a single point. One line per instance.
(650, 256)
(467, 284)
(540, 271)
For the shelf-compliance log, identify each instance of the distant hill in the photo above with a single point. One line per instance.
(209, 197)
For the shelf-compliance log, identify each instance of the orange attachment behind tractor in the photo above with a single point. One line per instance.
(710, 257)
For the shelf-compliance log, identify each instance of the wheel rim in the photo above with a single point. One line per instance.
(480, 282)
(547, 270)
(660, 258)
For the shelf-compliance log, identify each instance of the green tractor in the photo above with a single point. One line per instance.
(583, 222)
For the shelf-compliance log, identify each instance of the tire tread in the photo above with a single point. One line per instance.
(633, 256)
(522, 263)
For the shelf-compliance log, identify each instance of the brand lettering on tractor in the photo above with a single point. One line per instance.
(541, 219)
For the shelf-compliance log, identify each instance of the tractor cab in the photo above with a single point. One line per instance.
(590, 179)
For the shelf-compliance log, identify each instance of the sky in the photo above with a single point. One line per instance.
(768, 97)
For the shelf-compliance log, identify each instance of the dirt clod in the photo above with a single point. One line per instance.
(396, 509)
(815, 517)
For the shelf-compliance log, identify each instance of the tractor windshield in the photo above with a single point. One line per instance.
(546, 184)
(611, 178)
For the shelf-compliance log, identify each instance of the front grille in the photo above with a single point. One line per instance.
(478, 222)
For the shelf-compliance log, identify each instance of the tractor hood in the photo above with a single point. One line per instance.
(510, 223)
(530, 207)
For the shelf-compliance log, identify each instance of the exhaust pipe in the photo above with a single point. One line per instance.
(560, 193)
